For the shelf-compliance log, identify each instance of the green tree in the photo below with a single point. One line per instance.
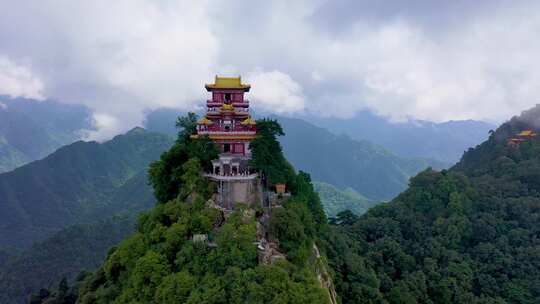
(165, 175)
(175, 288)
(164, 262)
(187, 126)
(267, 155)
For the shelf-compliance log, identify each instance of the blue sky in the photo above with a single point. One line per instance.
(430, 60)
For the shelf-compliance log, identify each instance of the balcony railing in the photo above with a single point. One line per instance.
(234, 102)
(218, 110)
(223, 132)
(232, 177)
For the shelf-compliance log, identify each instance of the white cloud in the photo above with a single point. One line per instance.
(118, 57)
(18, 80)
(122, 57)
(275, 92)
(316, 76)
(104, 126)
(482, 71)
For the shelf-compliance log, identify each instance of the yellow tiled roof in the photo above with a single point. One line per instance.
(248, 121)
(527, 133)
(228, 83)
(205, 121)
(227, 107)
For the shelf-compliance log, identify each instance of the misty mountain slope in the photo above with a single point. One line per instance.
(415, 138)
(162, 120)
(367, 168)
(64, 254)
(31, 129)
(10, 157)
(79, 183)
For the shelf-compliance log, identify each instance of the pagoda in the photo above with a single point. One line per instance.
(228, 123)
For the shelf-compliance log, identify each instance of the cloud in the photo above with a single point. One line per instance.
(118, 57)
(17, 80)
(452, 60)
(275, 92)
(104, 126)
(484, 70)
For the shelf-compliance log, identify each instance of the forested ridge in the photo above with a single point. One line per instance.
(466, 235)
(62, 256)
(163, 262)
(336, 200)
(79, 183)
(469, 234)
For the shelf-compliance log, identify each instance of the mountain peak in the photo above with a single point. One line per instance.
(137, 131)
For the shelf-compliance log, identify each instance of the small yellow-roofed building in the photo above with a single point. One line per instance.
(249, 121)
(523, 136)
(526, 133)
(224, 83)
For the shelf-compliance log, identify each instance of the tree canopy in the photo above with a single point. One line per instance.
(466, 235)
(165, 175)
(167, 260)
(267, 155)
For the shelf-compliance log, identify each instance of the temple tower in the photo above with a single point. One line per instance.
(228, 123)
(227, 119)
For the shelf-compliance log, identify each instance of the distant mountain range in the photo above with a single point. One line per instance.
(413, 138)
(31, 129)
(444, 141)
(79, 183)
(48, 125)
(339, 160)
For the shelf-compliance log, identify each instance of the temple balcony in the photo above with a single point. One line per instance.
(218, 111)
(235, 103)
(235, 177)
(226, 133)
(237, 127)
(241, 104)
(241, 110)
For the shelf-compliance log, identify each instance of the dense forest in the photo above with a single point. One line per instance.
(78, 184)
(63, 256)
(336, 200)
(61, 214)
(165, 261)
(468, 234)
(464, 235)
(90, 191)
